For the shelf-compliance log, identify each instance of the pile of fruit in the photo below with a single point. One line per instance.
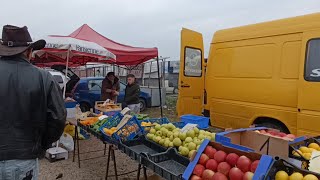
(146, 124)
(187, 143)
(276, 133)
(306, 152)
(89, 121)
(110, 131)
(142, 116)
(282, 175)
(96, 126)
(218, 165)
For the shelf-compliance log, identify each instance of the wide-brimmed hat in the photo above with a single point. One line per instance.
(16, 40)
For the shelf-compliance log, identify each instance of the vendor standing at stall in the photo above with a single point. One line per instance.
(110, 87)
(132, 94)
(32, 112)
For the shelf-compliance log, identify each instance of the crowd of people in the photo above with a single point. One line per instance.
(32, 109)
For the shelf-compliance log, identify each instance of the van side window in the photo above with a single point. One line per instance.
(58, 79)
(312, 67)
(95, 85)
(192, 62)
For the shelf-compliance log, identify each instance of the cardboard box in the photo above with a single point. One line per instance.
(249, 140)
(109, 107)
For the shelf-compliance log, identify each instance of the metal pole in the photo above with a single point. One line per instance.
(160, 90)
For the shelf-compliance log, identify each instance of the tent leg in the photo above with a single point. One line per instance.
(159, 83)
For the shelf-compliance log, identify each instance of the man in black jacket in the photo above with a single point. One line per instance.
(132, 93)
(32, 112)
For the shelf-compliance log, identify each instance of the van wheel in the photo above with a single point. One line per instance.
(143, 104)
(275, 126)
(85, 107)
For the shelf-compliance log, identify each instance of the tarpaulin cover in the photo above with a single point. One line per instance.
(126, 55)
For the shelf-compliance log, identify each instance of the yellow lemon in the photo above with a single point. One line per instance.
(313, 145)
(295, 153)
(296, 176)
(282, 175)
(307, 156)
(310, 177)
(311, 149)
(304, 149)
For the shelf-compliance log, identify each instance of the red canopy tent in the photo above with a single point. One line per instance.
(126, 55)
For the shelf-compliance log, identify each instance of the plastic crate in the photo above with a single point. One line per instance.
(203, 122)
(129, 131)
(302, 142)
(168, 165)
(135, 147)
(154, 120)
(179, 124)
(282, 165)
(265, 160)
(112, 122)
(70, 104)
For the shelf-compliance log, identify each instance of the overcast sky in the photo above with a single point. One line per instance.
(147, 23)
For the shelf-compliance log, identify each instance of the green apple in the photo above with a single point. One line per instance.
(182, 136)
(162, 141)
(191, 153)
(198, 147)
(188, 139)
(180, 147)
(171, 144)
(201, 136)
(185, 145)
(176, 134)
(164, 131)
(159, 133)
(165, 126)
(171, 127)
(191, 133)
(150, 136)
(152, 131)
(192, 146)
(184, 151)
(196, 130)
(202, 132)
(177, 142)
(171, 138)
(197, 141)
(207, 133)
(166, 143)
(169, 133)
(213, 136)
(157, 127)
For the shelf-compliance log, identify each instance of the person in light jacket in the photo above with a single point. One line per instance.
(132, 94)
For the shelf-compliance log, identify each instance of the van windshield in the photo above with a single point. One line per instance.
(312, 66)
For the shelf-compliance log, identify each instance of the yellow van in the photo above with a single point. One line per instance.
(266, 74)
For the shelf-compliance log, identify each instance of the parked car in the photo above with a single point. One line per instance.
(88, 91)
(60, 78)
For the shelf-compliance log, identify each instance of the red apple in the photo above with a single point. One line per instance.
(281, 134)
(195, 177)
(220, 156)
(254, 166)
(236, 174)
(248, 176)
(198, 170)
(232, 159)
(219, 176)
(244, 163)
(212, 165)
(207, 174)
(203, 159)
(210, 151)
(224, 168)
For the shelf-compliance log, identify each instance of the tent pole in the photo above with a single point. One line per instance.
(66, 73)
(160, 90)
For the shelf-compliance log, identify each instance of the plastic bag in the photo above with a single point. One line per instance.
(67, 141)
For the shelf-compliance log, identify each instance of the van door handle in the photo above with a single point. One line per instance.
(299, 110)
(185, 86)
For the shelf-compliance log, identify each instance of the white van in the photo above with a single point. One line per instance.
(60, 78)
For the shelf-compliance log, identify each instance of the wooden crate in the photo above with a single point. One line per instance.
(107, 108)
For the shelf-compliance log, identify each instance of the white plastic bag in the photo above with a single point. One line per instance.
(67, 141)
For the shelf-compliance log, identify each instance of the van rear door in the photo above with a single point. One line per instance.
(191, 75)
(309, 86)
